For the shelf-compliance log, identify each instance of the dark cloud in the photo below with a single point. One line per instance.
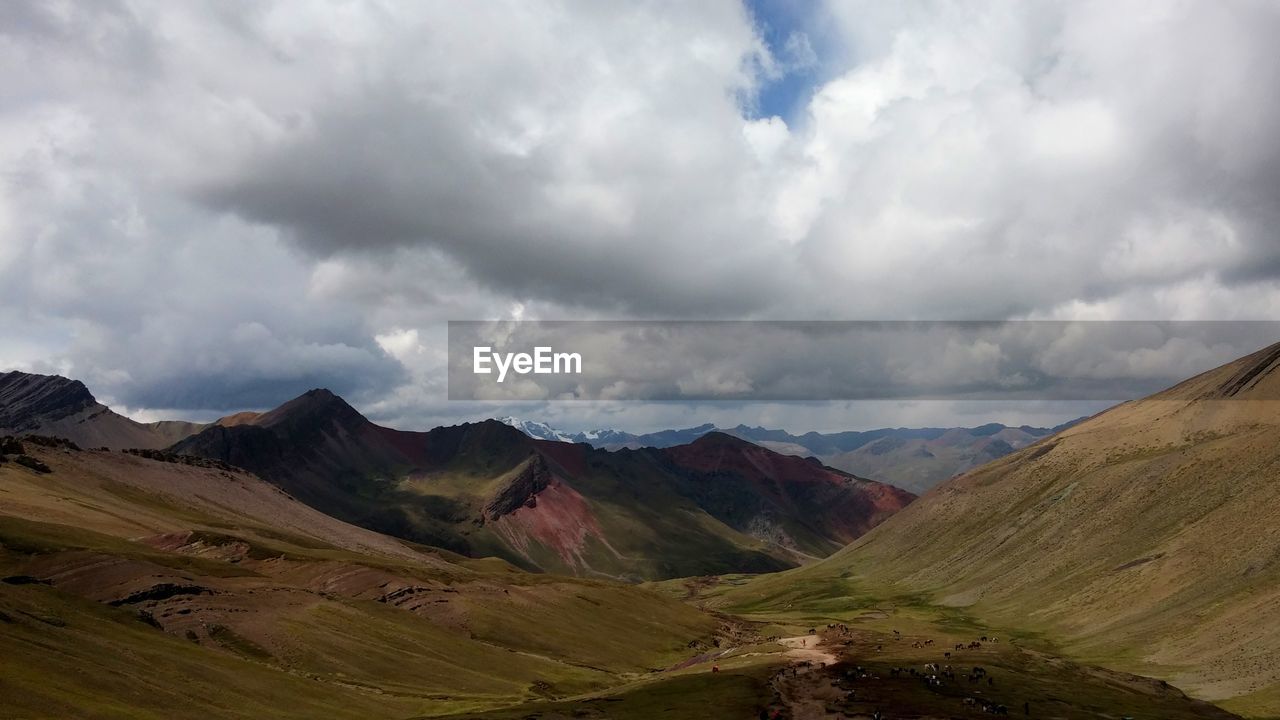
(362, 375)
(212, 205)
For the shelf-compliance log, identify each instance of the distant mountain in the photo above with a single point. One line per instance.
(919, 462)
(1148, 534)
(54, 405)
(604, 439)
(717, 505)
(540, 431)
(790, 501)
(914, 459)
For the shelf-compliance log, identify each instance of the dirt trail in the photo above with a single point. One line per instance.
(808, 648)
(804, 687)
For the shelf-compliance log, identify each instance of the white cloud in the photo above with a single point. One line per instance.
(337, 177)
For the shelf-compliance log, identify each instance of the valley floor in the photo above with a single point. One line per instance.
(872, 660)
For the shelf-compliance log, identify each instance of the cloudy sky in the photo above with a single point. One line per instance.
(207, 207)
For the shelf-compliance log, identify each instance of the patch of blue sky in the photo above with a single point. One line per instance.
(800, 46)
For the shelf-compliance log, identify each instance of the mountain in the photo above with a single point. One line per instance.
(920, 462)
(1146, 537)
(601, 438)
(155, 585)
(316, 447)
(914, 459)
(609, 439)
(488, 489)
(139, 587)
(56, 406)
(794, 502)
(540, 431)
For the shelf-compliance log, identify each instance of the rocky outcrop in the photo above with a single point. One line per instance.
(56, 406)
(29, 401)
(521, 491)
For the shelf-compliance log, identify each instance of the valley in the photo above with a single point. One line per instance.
(867, 654)
(135, 587)
(730, 360)
(1124, 564)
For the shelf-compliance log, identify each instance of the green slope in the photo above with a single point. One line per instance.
(1143, 539)
(137, 588)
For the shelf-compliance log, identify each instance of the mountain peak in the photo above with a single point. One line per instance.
(28, 400)
(537, 430)
(318, 405)
(721, 438)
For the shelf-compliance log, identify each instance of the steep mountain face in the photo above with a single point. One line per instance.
(1148, 535)
(56, 406)
(914, 459)
(488, 489)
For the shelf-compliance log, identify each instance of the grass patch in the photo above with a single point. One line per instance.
(20, 537)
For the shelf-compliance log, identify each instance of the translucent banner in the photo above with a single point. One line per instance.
(814, 361)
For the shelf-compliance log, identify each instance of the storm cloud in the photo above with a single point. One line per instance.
(214, 205)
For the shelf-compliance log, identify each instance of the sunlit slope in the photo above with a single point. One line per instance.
(1148, 536)
(125, 578)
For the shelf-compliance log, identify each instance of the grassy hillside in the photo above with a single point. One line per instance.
(1144, 539)
(140, 588)
(133, 587)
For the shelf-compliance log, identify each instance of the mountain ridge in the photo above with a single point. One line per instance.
(488, 488)
(55, 405)
(1146, 535)
(914, 459)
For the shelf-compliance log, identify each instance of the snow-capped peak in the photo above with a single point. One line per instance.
(537, 430)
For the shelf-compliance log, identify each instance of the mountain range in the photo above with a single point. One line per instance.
(717, 504)
(914, 459)
(222, 576)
